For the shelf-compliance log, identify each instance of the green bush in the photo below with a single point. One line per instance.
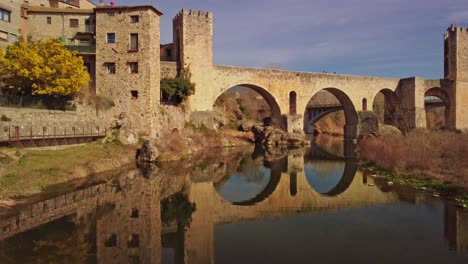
(176, 90)
(5, 118)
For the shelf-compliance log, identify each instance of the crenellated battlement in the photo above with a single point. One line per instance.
(193, 13)
(454, 29)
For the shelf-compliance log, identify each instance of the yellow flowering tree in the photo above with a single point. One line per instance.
(44, 68)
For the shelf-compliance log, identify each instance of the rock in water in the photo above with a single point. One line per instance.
(273, 137)
(148, 152)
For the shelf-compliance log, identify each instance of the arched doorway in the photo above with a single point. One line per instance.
(338, 109)
(247, 102)
(437, 107)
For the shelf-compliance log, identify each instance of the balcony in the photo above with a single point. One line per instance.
(82, 49)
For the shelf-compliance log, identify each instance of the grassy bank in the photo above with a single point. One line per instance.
(29, 171)
(436, 160)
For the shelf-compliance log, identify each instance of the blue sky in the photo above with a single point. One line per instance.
(392, 38)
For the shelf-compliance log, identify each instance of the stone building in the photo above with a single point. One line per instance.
(12, 24)
(127, 61)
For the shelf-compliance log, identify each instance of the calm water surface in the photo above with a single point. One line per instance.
(301, 206)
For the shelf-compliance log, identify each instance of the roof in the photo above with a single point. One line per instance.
(105, 8)
(59, 10)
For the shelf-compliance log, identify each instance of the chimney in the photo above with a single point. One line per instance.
(101, 2)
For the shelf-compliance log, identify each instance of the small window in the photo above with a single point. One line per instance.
(134, 19)
(111, 240)
(110, 37)
(13, 38)
(133, 67)
(134, 94)
(134, 241)
(87, 22)
(5, 15)
(135, 213)
(110, 67)
(134, 41)
(3, 36)
(111, 13)
(168, 53)
(49, 20)
(74, 23)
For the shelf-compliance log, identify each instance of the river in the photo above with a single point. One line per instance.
(309, 205)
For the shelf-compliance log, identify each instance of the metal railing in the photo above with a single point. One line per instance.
(16, 134)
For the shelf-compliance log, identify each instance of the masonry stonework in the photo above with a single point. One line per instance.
(127, 62)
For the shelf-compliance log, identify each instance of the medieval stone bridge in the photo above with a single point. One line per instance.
(288, 92)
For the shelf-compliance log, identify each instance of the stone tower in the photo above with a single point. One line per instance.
(127, 62)
(456, 72)
(193, 50)
(456, 54)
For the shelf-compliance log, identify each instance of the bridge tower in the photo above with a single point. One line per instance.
(193, 46)
(456, 73)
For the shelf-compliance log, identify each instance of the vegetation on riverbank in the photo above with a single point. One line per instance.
(434, 160)
(29, 171)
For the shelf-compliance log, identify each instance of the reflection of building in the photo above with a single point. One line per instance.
(456, 228)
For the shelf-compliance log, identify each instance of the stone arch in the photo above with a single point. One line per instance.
(445, 102)
(351, 116)
(292, 103)
(269, 98)
(387, 111)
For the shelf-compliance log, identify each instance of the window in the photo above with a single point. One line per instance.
(3, 36)
(134, 19)
(87, 22)
(133, 67)
(134, 94)
(111, 240)
(73, 23)
(110, 67)
(135, 213)
(13, 38)
(49, 20)
(110, 37)
(111, 13)
(134, 41)
(5, 15)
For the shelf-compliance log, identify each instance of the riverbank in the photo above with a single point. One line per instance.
(30, 171)
(429, 160)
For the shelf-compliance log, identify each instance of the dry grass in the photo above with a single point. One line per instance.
(438, 155)
(36, 169)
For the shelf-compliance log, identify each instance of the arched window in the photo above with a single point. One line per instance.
(364, 104)
(292, 103)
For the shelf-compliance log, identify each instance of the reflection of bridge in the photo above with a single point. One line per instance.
(130, 210)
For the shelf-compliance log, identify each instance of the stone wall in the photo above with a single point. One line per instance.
(40, 29)
(52, 122)
(168, 69)
(12, 28)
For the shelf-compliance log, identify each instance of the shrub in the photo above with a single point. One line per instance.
(5, 118)
(176, 90)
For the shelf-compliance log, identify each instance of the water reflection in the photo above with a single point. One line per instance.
(239, 208)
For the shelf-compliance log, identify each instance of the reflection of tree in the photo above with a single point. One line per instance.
(59, 242)
(177, 208)
(61, 249)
